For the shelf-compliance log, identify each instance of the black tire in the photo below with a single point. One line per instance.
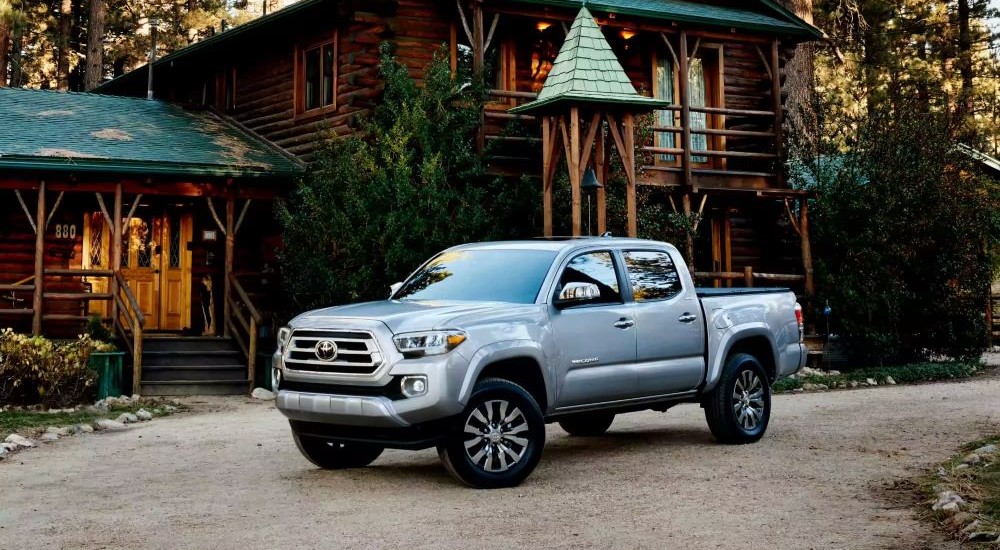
(336, 455)
(737, 416)
(587, 424)
(493, 455)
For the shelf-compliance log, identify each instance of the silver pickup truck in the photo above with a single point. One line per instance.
(486, 343)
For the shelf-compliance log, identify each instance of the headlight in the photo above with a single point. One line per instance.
(416, 344)
(284, 333)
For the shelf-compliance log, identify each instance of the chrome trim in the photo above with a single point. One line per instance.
(370, 369)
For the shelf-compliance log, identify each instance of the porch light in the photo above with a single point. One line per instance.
(542, 26)
(628, 34)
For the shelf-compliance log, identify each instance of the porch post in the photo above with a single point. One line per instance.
(574, 168)
(36, 322)
(807, 260)
(230, 244)
(688, 231)
(547, 160)
(601, 168)
(479, 64)
(116, 252)
(682, 85)
(779, 115)
(628, 158)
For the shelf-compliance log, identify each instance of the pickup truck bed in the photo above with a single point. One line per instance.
(704, 292)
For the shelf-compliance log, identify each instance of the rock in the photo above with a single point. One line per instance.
(871, 382)
(170, 409)
(971, 528)
(834, 373)
(948, 497)
(83, 428)
(48, 436)
(798, 390)
(972, 458)
(962, 466)
(157, 411)
(127, 418)
(175, 401)
(986, 450)
(822, 387)
(853, 383)
(261, 393)
(136, 397)
(63, 431)
(808, 386)
(111, 400)
(144, 415)
(950, 508)
(3, 452)
(889, 380)
(106, 424)
(19, 441)
(983, 536)
(960, 520)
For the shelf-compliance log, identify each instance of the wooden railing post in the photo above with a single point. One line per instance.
(230, 245)
(779, 115)
(116, 249)
(36, 304)
(252, 354)
(136, 356)
(683, 85)
(748, 276)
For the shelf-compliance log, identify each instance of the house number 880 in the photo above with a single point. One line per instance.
(65, 231)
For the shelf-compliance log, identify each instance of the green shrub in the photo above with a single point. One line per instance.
(96, 329)
(35, 370)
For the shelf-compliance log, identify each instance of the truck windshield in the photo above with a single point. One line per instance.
(490, 275)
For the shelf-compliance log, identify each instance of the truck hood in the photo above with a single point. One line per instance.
(409, 315)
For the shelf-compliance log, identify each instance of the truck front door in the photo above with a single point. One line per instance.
(595, 340)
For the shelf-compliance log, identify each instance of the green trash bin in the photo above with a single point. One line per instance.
(109, 373)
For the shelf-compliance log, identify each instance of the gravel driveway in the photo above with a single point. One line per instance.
(821, 478)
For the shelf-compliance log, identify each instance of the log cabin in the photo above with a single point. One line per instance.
(713, 149)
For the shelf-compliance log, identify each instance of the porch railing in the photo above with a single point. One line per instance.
(748, 276)
(10, 293)
(128, 324)
(243, 323)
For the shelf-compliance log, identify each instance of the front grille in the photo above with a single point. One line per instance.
(357, 352)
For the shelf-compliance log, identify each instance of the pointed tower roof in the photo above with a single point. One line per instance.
(588, 71)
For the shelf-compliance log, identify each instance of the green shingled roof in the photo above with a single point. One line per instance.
(587, 71)
(75, 132)
(773, 19)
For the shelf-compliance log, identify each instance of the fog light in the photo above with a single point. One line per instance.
(414, 386)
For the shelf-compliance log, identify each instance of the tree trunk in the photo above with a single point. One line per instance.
(800, 122)
(966, 99)
(95, 45)
(5, 33)
(62, 44)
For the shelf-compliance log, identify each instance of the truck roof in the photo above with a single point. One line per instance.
(557, 244)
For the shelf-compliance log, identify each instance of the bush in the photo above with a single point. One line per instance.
(408, 184)
(904, 228)
(34, 370)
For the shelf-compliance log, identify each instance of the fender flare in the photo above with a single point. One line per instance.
(730, 338)
(500, 351)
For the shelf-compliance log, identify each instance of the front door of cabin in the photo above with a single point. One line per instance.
(156, 263)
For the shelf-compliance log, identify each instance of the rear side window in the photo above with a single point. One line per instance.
(653, 275)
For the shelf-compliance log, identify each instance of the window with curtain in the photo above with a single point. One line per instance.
(665, 91)
(699, 96)
(318, 77)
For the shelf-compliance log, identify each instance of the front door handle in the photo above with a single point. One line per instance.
(687, 318)
(624, 323)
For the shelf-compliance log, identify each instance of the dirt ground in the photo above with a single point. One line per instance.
(823, 477)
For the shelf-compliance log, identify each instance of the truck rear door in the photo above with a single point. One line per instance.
(670, 328)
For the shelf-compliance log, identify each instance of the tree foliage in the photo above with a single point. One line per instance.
(379, 203)
(902, 226)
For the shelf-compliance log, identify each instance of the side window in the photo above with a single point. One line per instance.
(597, 268)
(653, 275)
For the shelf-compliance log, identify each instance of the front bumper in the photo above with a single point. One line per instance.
(340, 409)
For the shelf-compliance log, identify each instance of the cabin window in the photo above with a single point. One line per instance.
(317, 77)
(499, 61)
(224, 93)
(704, 91)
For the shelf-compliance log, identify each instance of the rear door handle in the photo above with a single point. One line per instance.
(688, 318)
(624, 323)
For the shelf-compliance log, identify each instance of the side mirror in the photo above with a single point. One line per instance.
(577, 293)
(394, 287)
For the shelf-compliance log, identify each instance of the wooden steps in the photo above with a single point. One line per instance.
(193, 366)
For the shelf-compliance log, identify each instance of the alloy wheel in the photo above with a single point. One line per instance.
(496, 435)
(748, 400)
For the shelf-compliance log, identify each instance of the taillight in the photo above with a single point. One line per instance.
(800, 320)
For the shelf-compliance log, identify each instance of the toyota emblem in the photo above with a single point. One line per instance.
(326, 350)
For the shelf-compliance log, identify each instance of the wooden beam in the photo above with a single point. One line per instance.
(489, 36)
(682, 86)
(55, 207)
(465, 21)
(807, 260)
(215, 215)
(479, 65)
(779, 115)
(104, 210)
(135, 204)
(588, 142)
(243, 213)
(688, 233)
(36, 305)
(763, 59)
(230, 248)
(27, 213)
(670, 48)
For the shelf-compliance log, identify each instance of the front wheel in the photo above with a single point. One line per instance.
(739, 407)
(498, 439)
(336, 455)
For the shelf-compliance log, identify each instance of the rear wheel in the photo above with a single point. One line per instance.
(336, 455)
(739, 407)
(498, 439)
(587, 424)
